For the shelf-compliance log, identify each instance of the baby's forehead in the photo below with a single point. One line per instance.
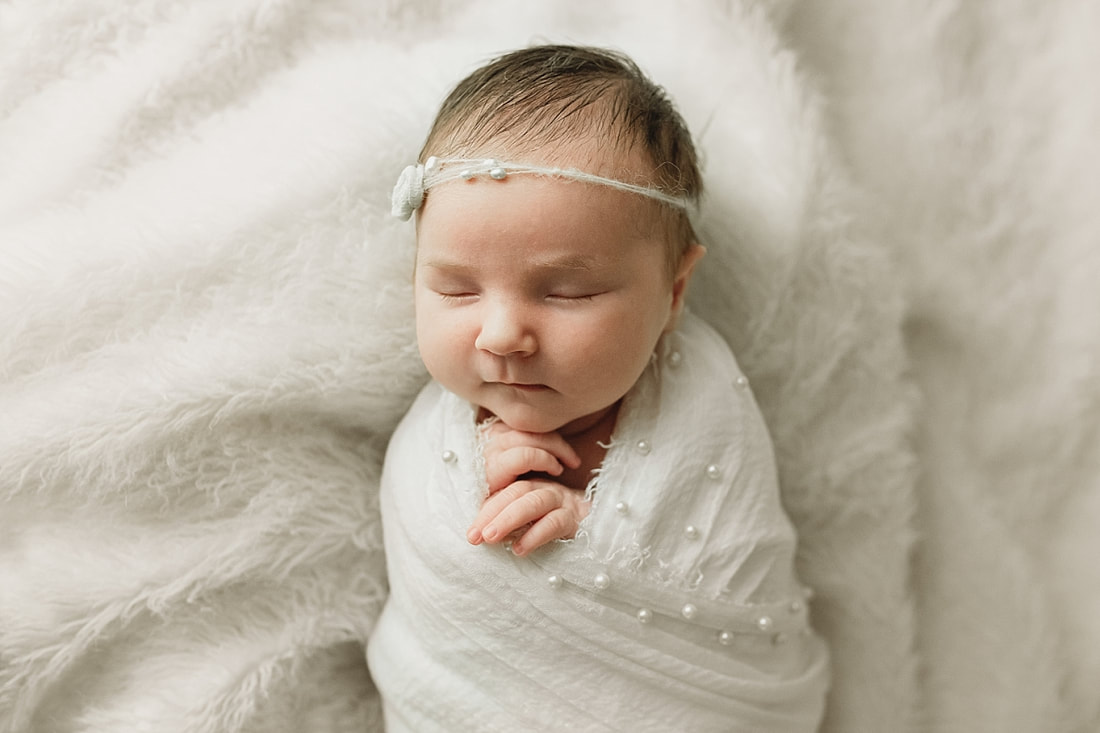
(542, 216)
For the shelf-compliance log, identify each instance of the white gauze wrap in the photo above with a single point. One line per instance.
(675, 608)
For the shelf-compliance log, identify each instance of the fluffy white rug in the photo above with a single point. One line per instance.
(972, 125)
(205, 338)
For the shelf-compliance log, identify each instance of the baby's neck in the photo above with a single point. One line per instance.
(588, 440)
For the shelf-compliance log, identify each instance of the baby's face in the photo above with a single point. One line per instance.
(539, 299)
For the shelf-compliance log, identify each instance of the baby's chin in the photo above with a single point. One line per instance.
(525, 421)
(533, 424)
(528, 420)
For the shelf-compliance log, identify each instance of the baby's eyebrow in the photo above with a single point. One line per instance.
(564, 262)
(447, 265)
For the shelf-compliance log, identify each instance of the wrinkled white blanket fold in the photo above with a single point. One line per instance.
(206, 337)
(675, 608)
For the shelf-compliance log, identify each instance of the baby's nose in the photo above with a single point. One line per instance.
(505, 332)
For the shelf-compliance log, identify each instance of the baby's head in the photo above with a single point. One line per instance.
(565, 105)
(554, 243)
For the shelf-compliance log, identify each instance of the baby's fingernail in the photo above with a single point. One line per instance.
(473, 537)
(489, 533)
(517, 548)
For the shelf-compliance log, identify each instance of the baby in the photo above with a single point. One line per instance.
(574, 399)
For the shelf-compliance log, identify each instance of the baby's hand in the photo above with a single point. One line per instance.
(510, 454)
(552, 510)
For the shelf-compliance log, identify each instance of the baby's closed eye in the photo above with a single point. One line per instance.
(581, 297)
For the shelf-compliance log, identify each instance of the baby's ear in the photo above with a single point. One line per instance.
(692, 256)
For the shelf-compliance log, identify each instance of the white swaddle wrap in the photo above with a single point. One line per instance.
(675, 608)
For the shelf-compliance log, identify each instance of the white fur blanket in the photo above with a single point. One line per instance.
(205, 337)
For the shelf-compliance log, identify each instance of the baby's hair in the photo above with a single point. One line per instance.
(543, 95)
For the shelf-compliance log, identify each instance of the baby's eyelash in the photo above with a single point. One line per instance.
(456, 296)
(576, 298)
(560, 297)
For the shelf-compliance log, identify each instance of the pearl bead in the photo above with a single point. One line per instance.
(796, 606)
(764, 623)
(691, 532)
(601, 581)
(497, 173)
(643, 447)
(807, 592)
(507, 545)
(674, 359)
(622, 507)
(741, 381)
(431, 164)
(554, 581)
(467, 175)
(644, 615)
(449, 456)
(714, 472)
(689, 611)
(725, 638)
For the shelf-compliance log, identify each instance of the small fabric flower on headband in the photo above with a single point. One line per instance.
(408, 194)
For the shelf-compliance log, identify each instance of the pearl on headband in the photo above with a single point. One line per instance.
(415, 180)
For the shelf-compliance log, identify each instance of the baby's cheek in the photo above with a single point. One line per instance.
(433, 343)
(442, 362)
(613, 358)
(448, 354)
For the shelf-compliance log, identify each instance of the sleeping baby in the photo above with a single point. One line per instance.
(582, 520)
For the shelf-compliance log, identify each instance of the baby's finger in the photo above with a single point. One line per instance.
(559, 447)
(558, 524)
(492, 507)
(527, 508)
(503, 468)
(501, 438)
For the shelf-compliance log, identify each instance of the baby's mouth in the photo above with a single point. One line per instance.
(526, 387)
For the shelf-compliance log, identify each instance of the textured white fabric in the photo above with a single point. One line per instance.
(206, 333)
(205, 336)
(473, 637)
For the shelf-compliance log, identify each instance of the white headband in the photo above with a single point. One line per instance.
(408, 194)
